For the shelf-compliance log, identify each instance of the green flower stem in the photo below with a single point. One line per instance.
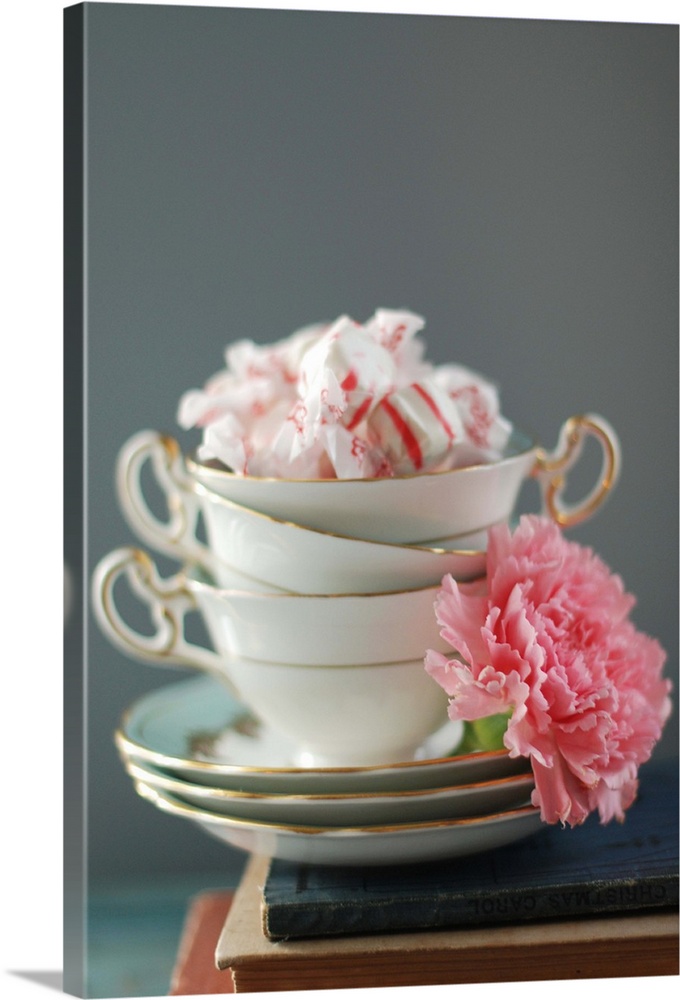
(484, 734)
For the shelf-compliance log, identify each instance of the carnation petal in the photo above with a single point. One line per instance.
(548, 636)
(561, 797)
(460, 610)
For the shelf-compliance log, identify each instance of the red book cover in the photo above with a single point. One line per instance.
(195, 971)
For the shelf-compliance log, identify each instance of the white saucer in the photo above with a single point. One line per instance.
(368, 845)
(358, 809)
(197, 731)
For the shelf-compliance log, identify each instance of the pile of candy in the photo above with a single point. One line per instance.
(344, 401)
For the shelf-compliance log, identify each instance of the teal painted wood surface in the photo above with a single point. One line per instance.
(134, 932)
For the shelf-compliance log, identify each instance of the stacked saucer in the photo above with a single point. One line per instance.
(195, 752)
(314, 732)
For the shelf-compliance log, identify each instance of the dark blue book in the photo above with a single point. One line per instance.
(556, 873)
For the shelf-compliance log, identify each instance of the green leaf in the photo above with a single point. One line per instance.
(485, 734)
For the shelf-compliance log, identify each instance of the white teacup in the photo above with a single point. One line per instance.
(267, 549)
(341, 677)
(415, 509)
(311, 630)
(344, 715)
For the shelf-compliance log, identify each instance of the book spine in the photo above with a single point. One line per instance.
(296, 920)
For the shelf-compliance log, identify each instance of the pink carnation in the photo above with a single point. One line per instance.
(546, 638)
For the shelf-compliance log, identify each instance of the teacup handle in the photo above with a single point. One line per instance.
(168, 600)
(551, 468)
(175, 537)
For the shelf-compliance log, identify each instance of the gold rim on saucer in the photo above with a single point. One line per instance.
(177, 785)
(170, 805)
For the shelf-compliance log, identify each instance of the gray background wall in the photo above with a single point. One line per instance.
(250, 171)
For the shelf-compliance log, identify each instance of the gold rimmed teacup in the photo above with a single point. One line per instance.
(196, 730)
(271, 551)
(404, 510)
(304, 629)
(413, 508)
(341, 676)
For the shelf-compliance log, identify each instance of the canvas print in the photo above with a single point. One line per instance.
(371, 408)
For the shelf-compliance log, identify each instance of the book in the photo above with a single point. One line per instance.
(628, 944)
(556, 873)
(195, 971)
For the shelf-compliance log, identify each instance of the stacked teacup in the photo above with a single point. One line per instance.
(339, 479)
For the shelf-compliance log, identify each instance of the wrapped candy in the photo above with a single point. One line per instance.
(344, 400)
(343, 372)
(341, 377)
(242, 407)
(278, 363)
(416, 427)
(247, 448)
(486, 430)
(396, 331)
(255, 378)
